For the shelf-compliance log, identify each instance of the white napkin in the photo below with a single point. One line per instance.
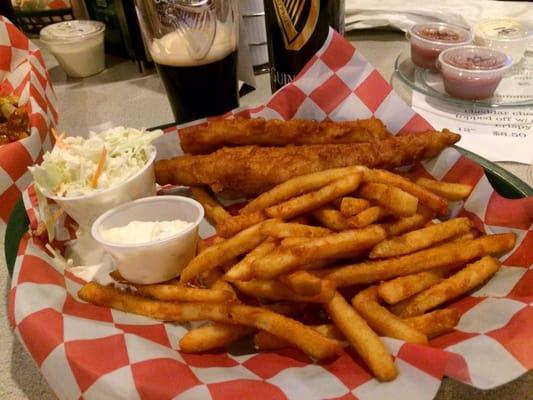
(402, 14)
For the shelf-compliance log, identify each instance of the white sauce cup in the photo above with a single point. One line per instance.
(77, 45)
(159, 260)
(507, 35)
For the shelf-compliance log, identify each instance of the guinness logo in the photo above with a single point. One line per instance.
(297, 20)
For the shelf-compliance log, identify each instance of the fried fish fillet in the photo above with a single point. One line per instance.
(203, 139)
(249, 170)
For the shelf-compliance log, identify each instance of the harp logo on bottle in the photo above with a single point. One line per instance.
(297, 20)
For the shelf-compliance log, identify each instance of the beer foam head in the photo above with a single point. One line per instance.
(171, 49)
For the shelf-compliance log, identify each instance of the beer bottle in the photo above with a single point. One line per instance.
(296, 30)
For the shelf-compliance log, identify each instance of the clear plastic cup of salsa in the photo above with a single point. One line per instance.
(472, 72)
(430, 39)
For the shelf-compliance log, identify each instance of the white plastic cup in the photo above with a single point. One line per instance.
(259, 54)
(506, 35)
(155, 261)
(428, 40)
(251, 7)
(87, 208)
(78, 46)
(472, 72)
(255, 29)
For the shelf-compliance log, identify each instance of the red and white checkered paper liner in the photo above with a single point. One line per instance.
(94, 352)
(23, 72)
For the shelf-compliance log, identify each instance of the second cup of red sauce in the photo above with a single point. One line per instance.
(472, 72)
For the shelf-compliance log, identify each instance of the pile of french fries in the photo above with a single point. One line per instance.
(327, 260)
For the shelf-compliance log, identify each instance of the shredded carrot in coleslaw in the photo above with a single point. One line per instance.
(99, 168)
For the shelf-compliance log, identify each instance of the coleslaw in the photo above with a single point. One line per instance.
(77, 166)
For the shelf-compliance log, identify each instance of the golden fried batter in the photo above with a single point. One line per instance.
(249, 170)
(203, 139)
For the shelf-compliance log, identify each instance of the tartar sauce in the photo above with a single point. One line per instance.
(144, 231)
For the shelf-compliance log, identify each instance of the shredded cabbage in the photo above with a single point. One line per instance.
(68, 169)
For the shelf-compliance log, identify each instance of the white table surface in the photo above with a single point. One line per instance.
(122, 96)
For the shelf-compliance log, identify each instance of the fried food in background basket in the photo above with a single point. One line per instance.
(14, 120)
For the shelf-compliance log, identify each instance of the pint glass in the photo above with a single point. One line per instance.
(194, 46)
(296, 30)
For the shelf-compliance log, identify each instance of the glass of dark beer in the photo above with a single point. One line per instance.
(194, 46)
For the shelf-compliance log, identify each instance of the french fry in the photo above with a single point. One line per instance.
(383, 321)
(351, 206)
(302, 219)
(212, 336)
(363, 339)
(224, 286)
(401, 288)
(295, 187)
(297, 241)
(294, 241)
(336, 204)
(309, 201)
(201, 245)
(286, 307)
(231, 226)
(265, 341)
(302, 283)
(367, 217)
(218, 254)
(435, 323)
(399, 203)
(183, 293)
(276, 291)
(426, 197)
(117, 277)
(217, 240)
(398, 308)
(306, 339)
(461, 282)
(216, 334)
(214, 211)
(330, 218)
(445, 255)
(278, 229)
(336, 245)
(447, 190)
(421, 238)
(420, 219)
(210, 277)
(242, 271)
(472, 234)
